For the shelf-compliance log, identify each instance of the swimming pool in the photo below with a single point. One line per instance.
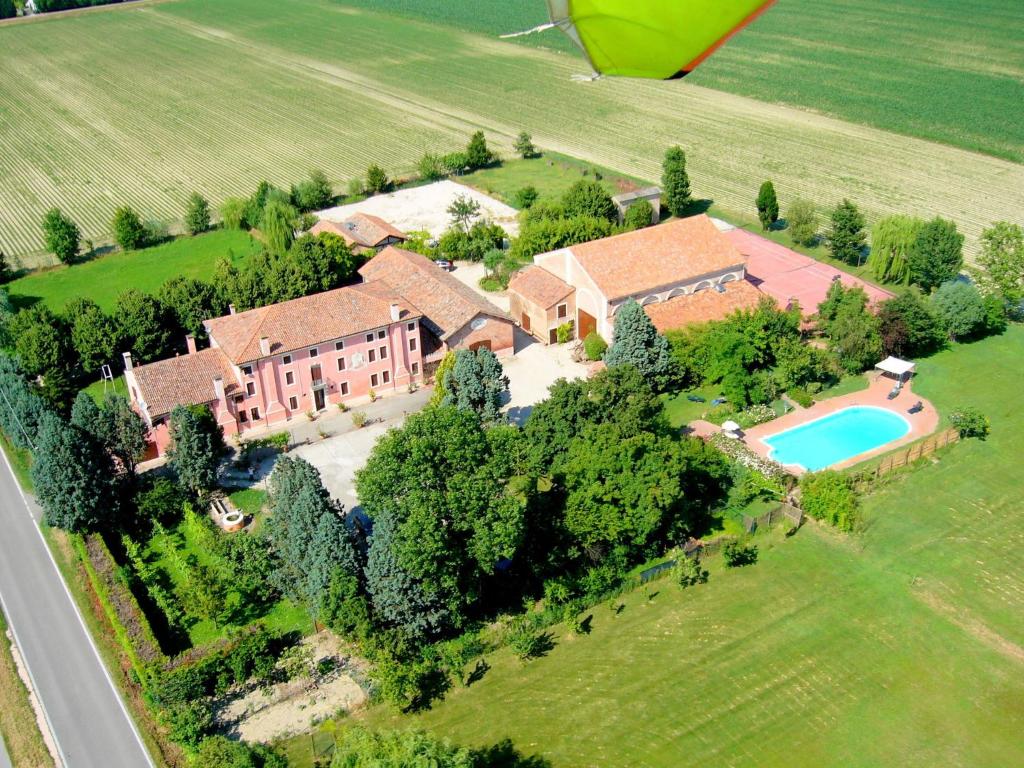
(837, 437)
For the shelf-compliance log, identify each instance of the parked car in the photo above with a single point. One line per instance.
(445, 264)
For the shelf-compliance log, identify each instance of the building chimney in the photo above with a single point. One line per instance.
(190, 342)
(231, 309)
(396, 313)
(218, 389)
(127, 360)
(265, 346)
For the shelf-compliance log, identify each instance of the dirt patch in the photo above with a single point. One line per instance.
(265, 714)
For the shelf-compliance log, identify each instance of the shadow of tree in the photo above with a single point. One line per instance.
(505, 755)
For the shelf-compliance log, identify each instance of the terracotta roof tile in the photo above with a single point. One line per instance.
(307, 321)
(183, 380)
(640, 262)
(703, 306)
(361, 229)
(538, 285)
(445, 301)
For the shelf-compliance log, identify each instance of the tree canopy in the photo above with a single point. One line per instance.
(675, 183)
(477, 383)
(62, 235)
(637, 342)
(802, 222)
(1000, 270)
(936, 255)
(767, 205)
(129, 231)
(846, 238)
(589, 198)
(892, 239)
(197, 214)
(196, 447)
(142, 323)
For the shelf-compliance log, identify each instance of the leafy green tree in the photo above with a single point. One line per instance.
(196, 447)
(73, 478)
(909, 326)
(737, 554)
(129, 231)
(846, 238)
(459, 245)
(376, 180)
(63, 237)
(892, 239)
(1000, 270)
(852, 329)
(359, 747)
(798, 364)
(463, 210)
(441, 376)
(7, 9)
(278, 225)
(802, 222)
(936, 255)
(523, 145)
(440, 478)
(345, 609)
(455, 162)
(122, 431)
(308, 532)
(829, 496)
(638, 343)
(478, 155)
(257, 201)
(85, 415)
(589, 198)
(232, 213)
(24, 409)
(525, 197)
(767, 205)
(197, 214)
(477, 383)
(6, 273)
(431, 167)
(639, 215)
(960, 308)
(689, 572)
(143, 325)
(970, 422)
(675, 183)
(40, 341)
(94, 334)
(595, 346)
(222, 752)
(314, 193)
(544, 235)
(191, 301)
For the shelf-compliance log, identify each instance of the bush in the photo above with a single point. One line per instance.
(525, 197)
(129, 231)
(689, 572)
(197, 214)
(189, 722)
(524, 640)
(802, 221)
(63, 237)
(431, 167)
(754, 415)
(359, 419)
(594, 345)
(829, 496)
(969, 422)
(737, 555)
(801, 397)
(377, 180)
(564, 332)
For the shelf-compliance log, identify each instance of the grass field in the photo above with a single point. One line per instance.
(103, 278)
(903, 645)
(18, 729)
(212, 96)
(936, 69)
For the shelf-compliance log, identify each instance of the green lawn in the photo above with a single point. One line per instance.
(902, 645)
(681, 411)
(100, 389)
(845, 386)
(249, 500)
(21, 462)
(102, 279)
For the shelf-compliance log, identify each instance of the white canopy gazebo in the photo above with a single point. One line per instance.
(895, 366)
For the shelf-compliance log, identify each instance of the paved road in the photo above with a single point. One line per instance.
(5, 761)
(86, 715)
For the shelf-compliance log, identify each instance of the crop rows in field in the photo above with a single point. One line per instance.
(943, 70)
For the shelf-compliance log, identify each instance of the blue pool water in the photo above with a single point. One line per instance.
(834, 438)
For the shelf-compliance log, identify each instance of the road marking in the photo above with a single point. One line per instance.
(85, 629)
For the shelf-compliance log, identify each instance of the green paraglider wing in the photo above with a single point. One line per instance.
(651, 38)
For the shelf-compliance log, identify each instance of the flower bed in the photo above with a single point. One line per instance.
(738, 452)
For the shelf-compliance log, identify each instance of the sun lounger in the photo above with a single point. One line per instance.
(916, 407)
(696, 399)
(719, 401)
(894, 392)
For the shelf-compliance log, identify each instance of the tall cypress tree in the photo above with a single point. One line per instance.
(196, 446)
(675, 183)
(846, 238)
(767, 205)
(477, 382)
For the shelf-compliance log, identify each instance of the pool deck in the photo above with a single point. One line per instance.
(921, 424)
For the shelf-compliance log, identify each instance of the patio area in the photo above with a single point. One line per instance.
(922, 423)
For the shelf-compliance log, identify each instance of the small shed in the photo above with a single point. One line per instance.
(624, 201)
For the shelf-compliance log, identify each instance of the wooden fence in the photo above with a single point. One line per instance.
(794, 514)
(914, 452)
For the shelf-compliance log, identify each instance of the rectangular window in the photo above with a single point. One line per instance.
(381, 334)
(250, 388)
(340, 345)
(242, 417)
(247, 370)
(411, 327)
(344, 387)
(293, 403)
(239, 398)
(341, 363)
(371, 356)
(369, 338)
(286, 360)
(387, 377)
(374, 380)
(289, 378)
(255, 413)
(314, 352)
(415, 369)
(412, 345)
(563, 310)
(383, 353)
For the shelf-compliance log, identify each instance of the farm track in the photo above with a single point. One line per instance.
(188, 96)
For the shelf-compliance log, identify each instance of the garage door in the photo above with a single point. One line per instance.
(586, 324)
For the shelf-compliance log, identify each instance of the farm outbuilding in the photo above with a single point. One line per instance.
(623, 202)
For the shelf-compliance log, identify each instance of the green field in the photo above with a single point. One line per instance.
(902, 645)
(147, 103)
(943, 70)
(104, 278)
